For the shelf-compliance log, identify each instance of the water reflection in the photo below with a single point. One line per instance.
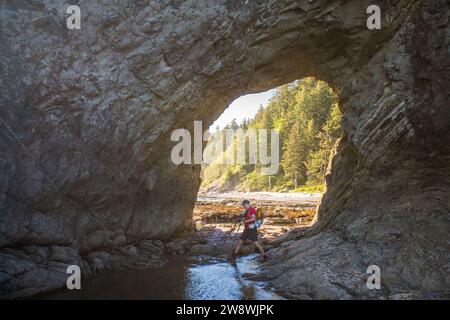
(181, 278)
(212, 281)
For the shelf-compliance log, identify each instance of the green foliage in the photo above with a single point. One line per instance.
(313, 188)
(307, 116)
(255, 182)
(327, 137)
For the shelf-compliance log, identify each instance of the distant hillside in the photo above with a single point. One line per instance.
(307, 117)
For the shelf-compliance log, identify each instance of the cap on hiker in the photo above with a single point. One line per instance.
(245, 201)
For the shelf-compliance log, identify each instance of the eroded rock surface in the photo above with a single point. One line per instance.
(86, 117)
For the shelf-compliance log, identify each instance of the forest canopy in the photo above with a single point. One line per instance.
(306, 115)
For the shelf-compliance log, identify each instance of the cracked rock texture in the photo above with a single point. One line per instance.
(86, 117)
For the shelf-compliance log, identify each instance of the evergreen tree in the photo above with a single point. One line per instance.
(330, 133)
(296, 152)
(307, 117)
(233, 124)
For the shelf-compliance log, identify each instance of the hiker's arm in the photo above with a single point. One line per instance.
(252, 218)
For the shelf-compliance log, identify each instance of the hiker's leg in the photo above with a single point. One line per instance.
(260, 247)
(238, 246)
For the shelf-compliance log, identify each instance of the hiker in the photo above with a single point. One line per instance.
(250, 231)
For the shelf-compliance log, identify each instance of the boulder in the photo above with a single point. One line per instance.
(203, 249)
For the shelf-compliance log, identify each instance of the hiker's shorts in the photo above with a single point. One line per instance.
(250, 234)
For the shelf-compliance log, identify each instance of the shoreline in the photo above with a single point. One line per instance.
(289, 197)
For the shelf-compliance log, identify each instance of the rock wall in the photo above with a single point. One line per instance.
(86, 117)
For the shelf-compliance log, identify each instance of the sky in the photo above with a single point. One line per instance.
(243, 107)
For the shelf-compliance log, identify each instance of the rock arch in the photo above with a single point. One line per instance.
(86, 116)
